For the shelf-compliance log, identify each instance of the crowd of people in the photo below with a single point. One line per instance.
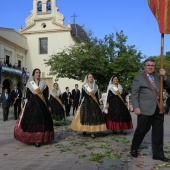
(35, 122)
(91, 112)
(8, 64)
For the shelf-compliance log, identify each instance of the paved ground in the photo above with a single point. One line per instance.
(73, 151)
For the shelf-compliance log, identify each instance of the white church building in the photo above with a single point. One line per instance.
(44, 35)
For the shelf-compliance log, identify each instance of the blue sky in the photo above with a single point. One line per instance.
(134, 17)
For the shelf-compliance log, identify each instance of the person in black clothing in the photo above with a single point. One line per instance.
(118, 116)
(6, 103)
(57, 108)
(75, 97)
(67, 100)
(35, 124)
(89, 116)
(16, 97)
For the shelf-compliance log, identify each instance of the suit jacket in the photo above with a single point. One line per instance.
(76, 96)
(142, 96)
(6, 103)
(65, 98)
(14, 95)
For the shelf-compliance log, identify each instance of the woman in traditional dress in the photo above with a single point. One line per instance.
(56, 104)
(89, 117)
(35, 125)
(118, 116)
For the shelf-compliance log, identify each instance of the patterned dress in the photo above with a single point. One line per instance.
(57, 109)
(89, 117)
(118, 117)
(35, 125)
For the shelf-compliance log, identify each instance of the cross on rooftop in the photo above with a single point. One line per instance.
(74, 18)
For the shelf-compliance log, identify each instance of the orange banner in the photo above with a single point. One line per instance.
(161, 10)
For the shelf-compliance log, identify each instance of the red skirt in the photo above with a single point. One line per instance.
(117, 125)
(32, 137)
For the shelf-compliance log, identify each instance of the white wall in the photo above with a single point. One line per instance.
(13, 36)
(56, 42)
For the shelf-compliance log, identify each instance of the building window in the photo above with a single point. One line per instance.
(39, 7)
(49, 6)
(7, 59)
(43, 45)
(19, 64)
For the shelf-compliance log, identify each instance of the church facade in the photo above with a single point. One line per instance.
(44, 35)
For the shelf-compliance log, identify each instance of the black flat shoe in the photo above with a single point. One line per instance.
(37, 145)
(84, 133)
(164, 159)
(114, 132)
(134, 153)
(123, 132)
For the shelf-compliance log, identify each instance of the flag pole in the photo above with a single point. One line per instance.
(161, 77)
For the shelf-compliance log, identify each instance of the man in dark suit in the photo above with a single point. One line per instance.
(16, 97)
(67, 101)
(6, 103)
(146, 108)
(75, 97)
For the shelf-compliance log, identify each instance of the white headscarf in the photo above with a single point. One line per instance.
(42, 85)
(109, 87)
(94, 85)
(54, 91)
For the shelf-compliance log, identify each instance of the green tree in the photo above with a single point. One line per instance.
(101, 57)
(127, 61)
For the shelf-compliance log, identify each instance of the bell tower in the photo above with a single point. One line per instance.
(43, 6)
(45, 14)
(45, 35)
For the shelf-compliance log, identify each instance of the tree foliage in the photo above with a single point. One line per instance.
(101, 57)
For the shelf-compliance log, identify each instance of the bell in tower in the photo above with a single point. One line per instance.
(49, 6)
(39, 6)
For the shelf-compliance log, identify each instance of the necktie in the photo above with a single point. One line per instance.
(152, 81)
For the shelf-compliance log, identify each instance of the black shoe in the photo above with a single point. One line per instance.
(134, 153)
(37, 145)
(114, 132)
(164, 159)
(123, 132)
(84, 133)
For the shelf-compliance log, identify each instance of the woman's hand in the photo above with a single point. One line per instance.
(49, 109)
(107, 105)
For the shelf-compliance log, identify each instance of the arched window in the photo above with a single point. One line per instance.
(49, 6)
(39, 7)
